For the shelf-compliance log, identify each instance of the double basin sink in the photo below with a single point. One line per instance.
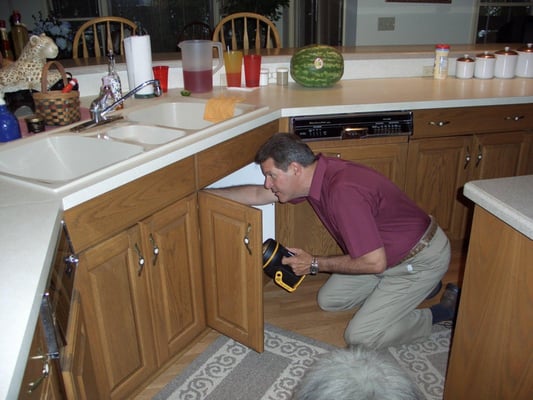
(56, 159)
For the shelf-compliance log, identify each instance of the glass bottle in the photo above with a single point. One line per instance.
(9, 125)
(19, 34)
(112, 79)
(6, 47)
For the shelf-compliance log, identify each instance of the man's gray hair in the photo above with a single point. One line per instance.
(285, 148)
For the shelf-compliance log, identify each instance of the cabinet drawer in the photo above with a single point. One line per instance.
(468, 120)
(112, 212)
(227, 157)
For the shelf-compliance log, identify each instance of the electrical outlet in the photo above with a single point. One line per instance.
(427, 70)
(386, 23)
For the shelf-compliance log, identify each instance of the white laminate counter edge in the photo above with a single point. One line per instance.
(509, 199)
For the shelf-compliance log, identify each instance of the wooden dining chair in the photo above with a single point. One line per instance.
(99, 35)
(246, 30)
(195, 30)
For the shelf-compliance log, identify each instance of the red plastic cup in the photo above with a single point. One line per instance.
(252, 69)
(161, 74)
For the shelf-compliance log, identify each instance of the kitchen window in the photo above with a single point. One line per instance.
(505, 22)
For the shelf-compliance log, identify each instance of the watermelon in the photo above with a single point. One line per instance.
(317, 66)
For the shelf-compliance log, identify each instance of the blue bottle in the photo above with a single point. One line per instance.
(9, 125)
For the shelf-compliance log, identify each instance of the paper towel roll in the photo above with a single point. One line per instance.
(139, 63)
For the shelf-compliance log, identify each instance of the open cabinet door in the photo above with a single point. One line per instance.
(231, 235)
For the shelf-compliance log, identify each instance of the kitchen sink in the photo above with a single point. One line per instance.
(145, 134)
(181, 115)
(62, 158)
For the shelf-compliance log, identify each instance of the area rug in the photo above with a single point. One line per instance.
(227, 370)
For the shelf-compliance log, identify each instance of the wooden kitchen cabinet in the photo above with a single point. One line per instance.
(131, 317)
(490, 356)
(298, 226)
(112, 280)
(445, 153)
(174, 267)
(142, 288)
(42, 377)
(232, 259)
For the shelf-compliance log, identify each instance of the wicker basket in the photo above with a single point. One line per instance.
(55, 107)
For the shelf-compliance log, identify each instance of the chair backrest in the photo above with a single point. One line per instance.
(101, 34)
(195, 30)
(246, 31)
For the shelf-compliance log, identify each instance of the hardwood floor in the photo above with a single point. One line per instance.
(297, 312)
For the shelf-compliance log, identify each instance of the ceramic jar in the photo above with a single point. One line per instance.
(485, 63)
(464, 67)
(524, 65)
(505, 63)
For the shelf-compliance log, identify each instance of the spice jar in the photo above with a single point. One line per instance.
(505, 63)
(464, 67)
(524, 64)
(484, 68)
(440, 67)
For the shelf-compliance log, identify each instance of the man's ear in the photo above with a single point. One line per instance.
(295, 168)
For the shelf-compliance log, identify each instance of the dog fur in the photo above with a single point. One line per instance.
(356, 373)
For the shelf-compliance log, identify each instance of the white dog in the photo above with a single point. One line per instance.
(356, 373)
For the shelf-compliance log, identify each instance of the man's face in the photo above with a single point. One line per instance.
(281, 183)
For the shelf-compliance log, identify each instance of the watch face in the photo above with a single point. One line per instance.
(313, 270)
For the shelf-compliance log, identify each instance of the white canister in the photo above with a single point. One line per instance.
(464, 67)
(524, 65)
(484, 68)
(505, 63)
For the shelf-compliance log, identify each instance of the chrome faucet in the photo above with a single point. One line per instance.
(98, 106)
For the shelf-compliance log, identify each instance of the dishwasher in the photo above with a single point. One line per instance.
(352, 125)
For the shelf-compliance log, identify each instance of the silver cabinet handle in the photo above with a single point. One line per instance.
(155, 249)
(514, 117)
(32, 386)
(439, 123)
(467, 157)
(140, 261)
(246, 239)
(479, 155)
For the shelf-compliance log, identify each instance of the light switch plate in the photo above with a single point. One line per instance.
(386, 23)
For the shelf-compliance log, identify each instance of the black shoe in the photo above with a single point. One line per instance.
(450, 297)
(435, 291)
(446, 310)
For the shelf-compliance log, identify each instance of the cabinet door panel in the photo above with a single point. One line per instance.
(502, 155)
(437, 170)
(232, 269)
(115, 300)
(76, 359)
(175, 276)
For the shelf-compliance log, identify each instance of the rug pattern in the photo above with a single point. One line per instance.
(228, 370)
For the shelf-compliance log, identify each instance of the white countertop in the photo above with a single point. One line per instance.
(30, 217)
(509, 199)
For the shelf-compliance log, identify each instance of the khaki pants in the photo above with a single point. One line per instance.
(388, 314)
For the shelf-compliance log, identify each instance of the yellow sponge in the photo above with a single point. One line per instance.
(221, 108)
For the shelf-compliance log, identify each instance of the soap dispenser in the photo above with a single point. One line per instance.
(112, 79)
(9, 125)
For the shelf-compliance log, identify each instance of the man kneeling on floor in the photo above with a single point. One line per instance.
(394, 253)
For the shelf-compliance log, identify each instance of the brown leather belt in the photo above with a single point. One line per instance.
(424, 242)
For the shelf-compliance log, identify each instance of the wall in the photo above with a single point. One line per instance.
(416, 23)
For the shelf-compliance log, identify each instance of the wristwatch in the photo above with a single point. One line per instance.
(313, 270)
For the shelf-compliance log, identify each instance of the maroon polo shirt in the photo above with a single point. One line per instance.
(363, 210)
